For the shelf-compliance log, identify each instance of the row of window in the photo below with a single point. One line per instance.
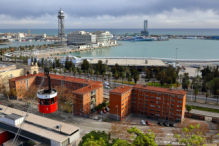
(47, 101)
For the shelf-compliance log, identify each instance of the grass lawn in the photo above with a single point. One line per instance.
(205, 109)
(158, 85)
(125, 82)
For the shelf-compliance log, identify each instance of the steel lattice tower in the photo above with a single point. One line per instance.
(61, 26)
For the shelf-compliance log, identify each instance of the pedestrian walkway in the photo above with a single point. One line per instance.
(212, 106)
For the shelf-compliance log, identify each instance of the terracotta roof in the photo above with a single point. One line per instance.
(69, 79)
(22, 77)
(86, 89)
(160, 89)
(121, 89)
(59, 77)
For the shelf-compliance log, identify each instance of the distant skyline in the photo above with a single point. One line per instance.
(88, 14)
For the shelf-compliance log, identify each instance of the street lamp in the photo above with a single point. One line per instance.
(117, 113)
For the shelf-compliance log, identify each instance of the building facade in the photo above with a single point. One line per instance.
(152, 102)
(86, 94)
(81, 38)
(103, 37)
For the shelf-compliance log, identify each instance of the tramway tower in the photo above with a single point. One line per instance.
(61, 26)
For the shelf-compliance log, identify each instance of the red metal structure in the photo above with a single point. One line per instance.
(47, 99)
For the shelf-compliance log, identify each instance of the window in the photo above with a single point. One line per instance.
(41, 101)
(158, 93)
(52, 100)
(47, 101)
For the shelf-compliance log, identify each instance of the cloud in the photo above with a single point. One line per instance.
(110, 14)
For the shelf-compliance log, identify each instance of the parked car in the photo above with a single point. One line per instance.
(107, 109)
(106, 83)
(1, 108)
(160, 123)
(101, 112)
(148, 123)
(104, 111)
(171, 125)
(142, 122)
(106, 87)
(165, 124)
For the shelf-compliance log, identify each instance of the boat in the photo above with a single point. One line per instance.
(138, 38)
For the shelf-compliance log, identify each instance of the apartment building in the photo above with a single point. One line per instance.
(87, 94)
(155, 102)
(120, 102)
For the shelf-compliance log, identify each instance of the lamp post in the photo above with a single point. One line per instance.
(176, 55)
(117, 113)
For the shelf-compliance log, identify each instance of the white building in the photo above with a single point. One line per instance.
(19, 36)
(80, 38)
(103, 37)
(36, 36)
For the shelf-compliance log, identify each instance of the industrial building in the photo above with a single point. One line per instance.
(39, 129)
(87, 94)
(148, 101)
(81, 38)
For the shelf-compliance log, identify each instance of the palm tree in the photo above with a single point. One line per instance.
(129, 79)
(91, 72)
(103, 74)
(55, 71)
(123, 76)
(74, 71)
(65, 70)
(207, 94)
(116, 75)
(79, 72)
(70, 70)
(195, 93)
(97, 73)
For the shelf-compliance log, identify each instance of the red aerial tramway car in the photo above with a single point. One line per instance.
(47, 99)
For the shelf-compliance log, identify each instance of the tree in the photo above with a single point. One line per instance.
(79, 72)
(85, 65)
(136, 77)
(74, 71)
(141, 139)
(70, 70)
(195, 93)
(188, 108)
(95, 138)
(119, 142)
(91, 72)
(123, 76)
(97, 74)
(190, 137)
(55, 71)
(65, 71)
(116, 76)
(207, 95)
(129, 79)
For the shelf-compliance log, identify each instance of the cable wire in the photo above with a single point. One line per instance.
(20, 128)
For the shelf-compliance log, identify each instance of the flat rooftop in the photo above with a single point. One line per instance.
(42, 126)
(130, 62)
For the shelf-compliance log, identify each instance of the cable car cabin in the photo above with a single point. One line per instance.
(47, 101)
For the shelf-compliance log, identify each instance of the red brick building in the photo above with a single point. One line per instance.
(87, 93)
(148, 101)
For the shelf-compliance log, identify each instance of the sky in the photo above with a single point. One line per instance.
(42, 14)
